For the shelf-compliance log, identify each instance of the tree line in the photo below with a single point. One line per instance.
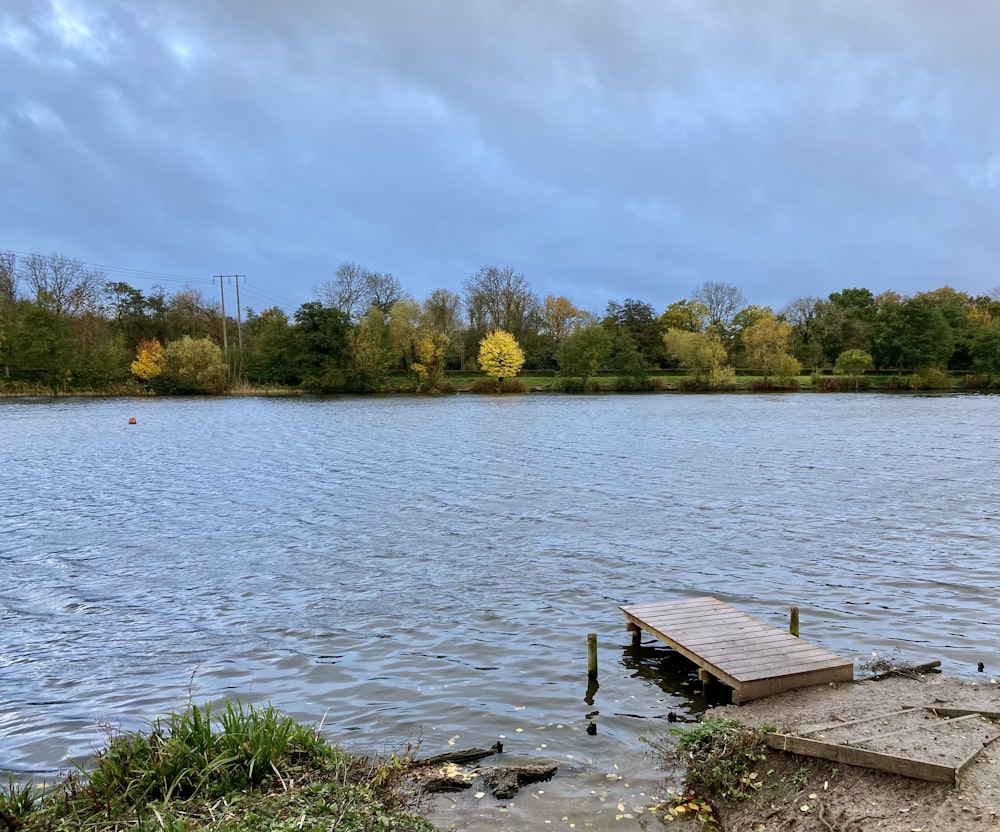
(65, 327)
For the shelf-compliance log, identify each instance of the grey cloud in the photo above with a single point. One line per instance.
(604, 149)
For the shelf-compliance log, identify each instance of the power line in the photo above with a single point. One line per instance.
(155, 277)
(120, 270)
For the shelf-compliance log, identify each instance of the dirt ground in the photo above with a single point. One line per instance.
(804, 794)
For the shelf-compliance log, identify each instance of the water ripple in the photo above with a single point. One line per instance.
(425, 568)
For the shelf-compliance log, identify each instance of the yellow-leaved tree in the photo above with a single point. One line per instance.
(500, 356)
(148, 362)
(431, 349)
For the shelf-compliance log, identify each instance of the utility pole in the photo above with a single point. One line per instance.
(222, 294)
(239, 312)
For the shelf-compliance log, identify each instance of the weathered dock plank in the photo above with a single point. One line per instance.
(751, 657)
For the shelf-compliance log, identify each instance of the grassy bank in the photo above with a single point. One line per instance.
(654, 382)
(242, 769)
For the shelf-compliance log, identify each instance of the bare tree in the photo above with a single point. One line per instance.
(382, 291)
(723, 301)
(442, 312)
(8, 278)
(498, 298)
(345, 291)
(65, 286)
(560, 317)
(355, 290)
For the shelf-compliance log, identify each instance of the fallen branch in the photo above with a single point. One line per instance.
(902, 670)
(463, 755)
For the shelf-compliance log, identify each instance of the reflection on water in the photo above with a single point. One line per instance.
(428, 569)
(676, 677)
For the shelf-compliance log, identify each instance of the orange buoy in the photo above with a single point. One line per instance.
(131, 420)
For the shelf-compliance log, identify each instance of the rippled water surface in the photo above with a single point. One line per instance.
(429, 568)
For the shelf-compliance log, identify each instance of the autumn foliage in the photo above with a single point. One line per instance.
(148, 362)
(500, 356)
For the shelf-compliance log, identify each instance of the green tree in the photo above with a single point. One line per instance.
(743, 320)
(321, 352)
(702, 355)
(637, 322)
(404, 331)
(985, 349)
(270, 353)
(584, 351)
(41, 348)
(955, 306)
(853, 364)
(128, 315)
(193, 365)
(500, 356)
(689, 315)
(766, 344)
(911, 334)
(369, 348)
(188, 313)
(806, 344)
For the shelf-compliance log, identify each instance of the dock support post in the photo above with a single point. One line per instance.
(636, 634)
(592, 655)
(793, 621)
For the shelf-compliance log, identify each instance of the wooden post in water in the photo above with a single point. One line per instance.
(592, 655)
(793, 621)
(636, 634)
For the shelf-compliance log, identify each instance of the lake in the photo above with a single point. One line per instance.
(427, 569)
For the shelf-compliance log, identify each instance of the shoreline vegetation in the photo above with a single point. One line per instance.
(465, 383)
(65, 328)
(239, 769)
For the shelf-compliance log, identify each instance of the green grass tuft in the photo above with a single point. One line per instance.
(245, 768)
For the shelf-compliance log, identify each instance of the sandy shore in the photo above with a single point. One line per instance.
(799, 793)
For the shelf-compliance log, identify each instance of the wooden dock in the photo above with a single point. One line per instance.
(753, 658)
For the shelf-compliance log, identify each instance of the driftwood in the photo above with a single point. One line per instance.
(504, 782)
(441, 772)
(462, 755)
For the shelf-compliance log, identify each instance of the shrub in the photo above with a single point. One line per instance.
(930, 379)
(513, 387)
(484, 385)
(839, 384)
(719, 756)
(722, 378)
(761, 385)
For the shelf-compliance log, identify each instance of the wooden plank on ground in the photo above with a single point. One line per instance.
(905, 748)
(851, 755)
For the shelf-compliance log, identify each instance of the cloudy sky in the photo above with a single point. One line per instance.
(606, 149)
